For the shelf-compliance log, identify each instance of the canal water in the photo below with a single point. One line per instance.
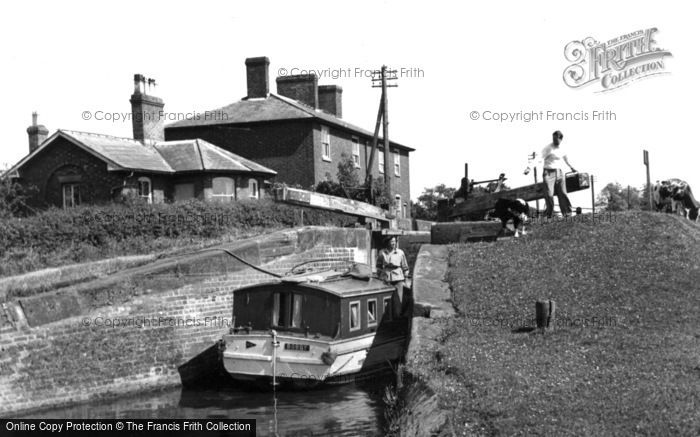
(347, 410)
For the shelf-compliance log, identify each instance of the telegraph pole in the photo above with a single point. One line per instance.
(380, 79)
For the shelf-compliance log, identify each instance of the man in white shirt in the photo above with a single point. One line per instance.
(553, 158)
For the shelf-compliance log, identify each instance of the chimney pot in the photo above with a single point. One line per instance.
(146, 112)
(37, 133)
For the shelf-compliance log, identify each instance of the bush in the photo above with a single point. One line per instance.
(59, 236)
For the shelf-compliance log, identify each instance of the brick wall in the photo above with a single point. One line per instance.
(147, 335)
(341, 142)
(284, 146)
(61, 158)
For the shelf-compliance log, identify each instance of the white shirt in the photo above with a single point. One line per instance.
(552, 157)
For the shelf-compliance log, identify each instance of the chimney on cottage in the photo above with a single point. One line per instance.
(300, 87)
(257, 73)
(147, 118)
(330, 99)
(37, 133)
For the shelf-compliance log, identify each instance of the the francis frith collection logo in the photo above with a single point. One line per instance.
(614, 63)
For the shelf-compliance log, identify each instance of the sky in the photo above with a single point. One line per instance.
(454, 59)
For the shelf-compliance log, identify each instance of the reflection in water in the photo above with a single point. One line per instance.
(351, 409)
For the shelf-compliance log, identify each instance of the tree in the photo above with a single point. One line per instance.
(347, 174)
(426, 207)
(13, 197)
(614, 197)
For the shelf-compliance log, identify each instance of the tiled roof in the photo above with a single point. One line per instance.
(198, 155)
(155, 156)
(124, 152)
(274, 107)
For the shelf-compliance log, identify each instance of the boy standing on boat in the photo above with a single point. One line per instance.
(393, 268)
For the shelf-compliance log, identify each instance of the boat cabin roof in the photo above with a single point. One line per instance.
(331, 282)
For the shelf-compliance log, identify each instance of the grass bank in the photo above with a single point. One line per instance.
(623, 359)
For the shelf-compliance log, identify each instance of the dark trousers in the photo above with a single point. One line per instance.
(397, 299)
(402, 300)
(556, 184)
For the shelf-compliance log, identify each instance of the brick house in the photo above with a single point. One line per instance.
(299, 132)
(71, 168)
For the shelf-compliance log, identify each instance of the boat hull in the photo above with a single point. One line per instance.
(301, 362)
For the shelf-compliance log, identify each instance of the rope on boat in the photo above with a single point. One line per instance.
(249, 264)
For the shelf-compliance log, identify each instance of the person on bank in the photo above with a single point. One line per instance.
(553, 157)
(393, 268)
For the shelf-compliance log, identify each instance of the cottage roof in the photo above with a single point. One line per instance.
(167, 157)
(272, 108)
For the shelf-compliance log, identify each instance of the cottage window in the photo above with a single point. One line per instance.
(184, 191)
(397, 164)
(354, 316)
(371, 311)
(253, 189)
(381, 161)
(356, 151)
(223, 189)
(71, 195)
(325, 143)
(145, 189)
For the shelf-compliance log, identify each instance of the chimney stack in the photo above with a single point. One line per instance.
(257, 73)
(146, 111)
(37, 133)
(300, 87)
(330, 99)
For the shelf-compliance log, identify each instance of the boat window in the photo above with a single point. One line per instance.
(387, 308)
(296, 311)
(276, 310)
(371, 311)
(354, 316)
(286, 310)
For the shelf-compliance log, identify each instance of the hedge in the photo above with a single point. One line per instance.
(59, 236)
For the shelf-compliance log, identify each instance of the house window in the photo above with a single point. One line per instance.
(145, 191)
(356, 151)
(387, 308)
(253, 191)
(325, 143)
(286, 310)
(71, 195)
(354, 316)
(223, 189)
(397, 164)
(371, 311)
(381, 161)
(184, 191)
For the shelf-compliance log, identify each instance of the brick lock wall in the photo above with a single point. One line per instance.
(42, 173)
(144, 343)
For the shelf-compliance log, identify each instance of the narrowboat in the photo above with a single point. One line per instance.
(318, 327)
